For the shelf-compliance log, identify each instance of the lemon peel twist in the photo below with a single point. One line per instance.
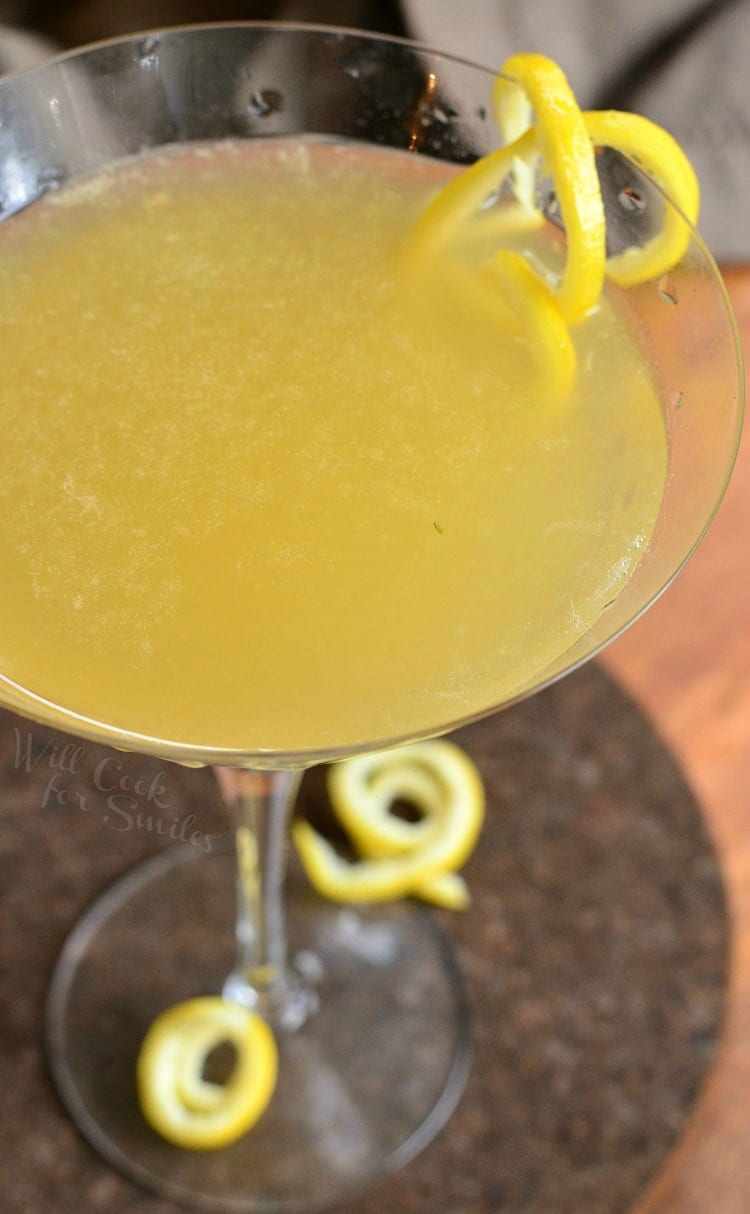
(537, 112)
(535, 307)
(563, 141)
(662, 159)
(177, 1101)
(399, 857)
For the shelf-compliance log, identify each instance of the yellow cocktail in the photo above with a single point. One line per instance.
(260, 488)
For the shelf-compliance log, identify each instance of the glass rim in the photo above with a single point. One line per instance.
(47, 712)
(300, 27)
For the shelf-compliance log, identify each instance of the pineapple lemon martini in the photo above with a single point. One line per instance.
(403, 529)
(314, 441)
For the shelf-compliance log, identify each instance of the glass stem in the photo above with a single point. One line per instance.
(262, 803)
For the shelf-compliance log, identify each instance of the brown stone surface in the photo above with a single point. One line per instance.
(594, 952)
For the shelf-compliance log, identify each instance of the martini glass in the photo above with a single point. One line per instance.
(367, 1006)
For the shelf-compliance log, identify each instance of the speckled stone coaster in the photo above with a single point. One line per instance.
(595, 956)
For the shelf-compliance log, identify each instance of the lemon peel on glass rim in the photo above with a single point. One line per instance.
(662, 159)
(563, 142)
(399, 858)
(537, 112)
(560, 137)
(649, 146)
(178, 1102)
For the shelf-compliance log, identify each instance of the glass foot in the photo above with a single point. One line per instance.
(365, 1082)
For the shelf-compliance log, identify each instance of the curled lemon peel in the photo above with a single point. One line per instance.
(540, 319)
(540, 119)
(399, 858)
(662, 159)
(177, 1101)
(461, 198)
(514, 114)
(567, 152)
(524, 306)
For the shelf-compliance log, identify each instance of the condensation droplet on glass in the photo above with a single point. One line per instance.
(631, 199)
(264, 102)
(352, 70)
(678, 400)
(148, 52)
(440, 115)
(49, 179)
(667, 290)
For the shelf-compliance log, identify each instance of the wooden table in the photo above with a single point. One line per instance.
(688, 663)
